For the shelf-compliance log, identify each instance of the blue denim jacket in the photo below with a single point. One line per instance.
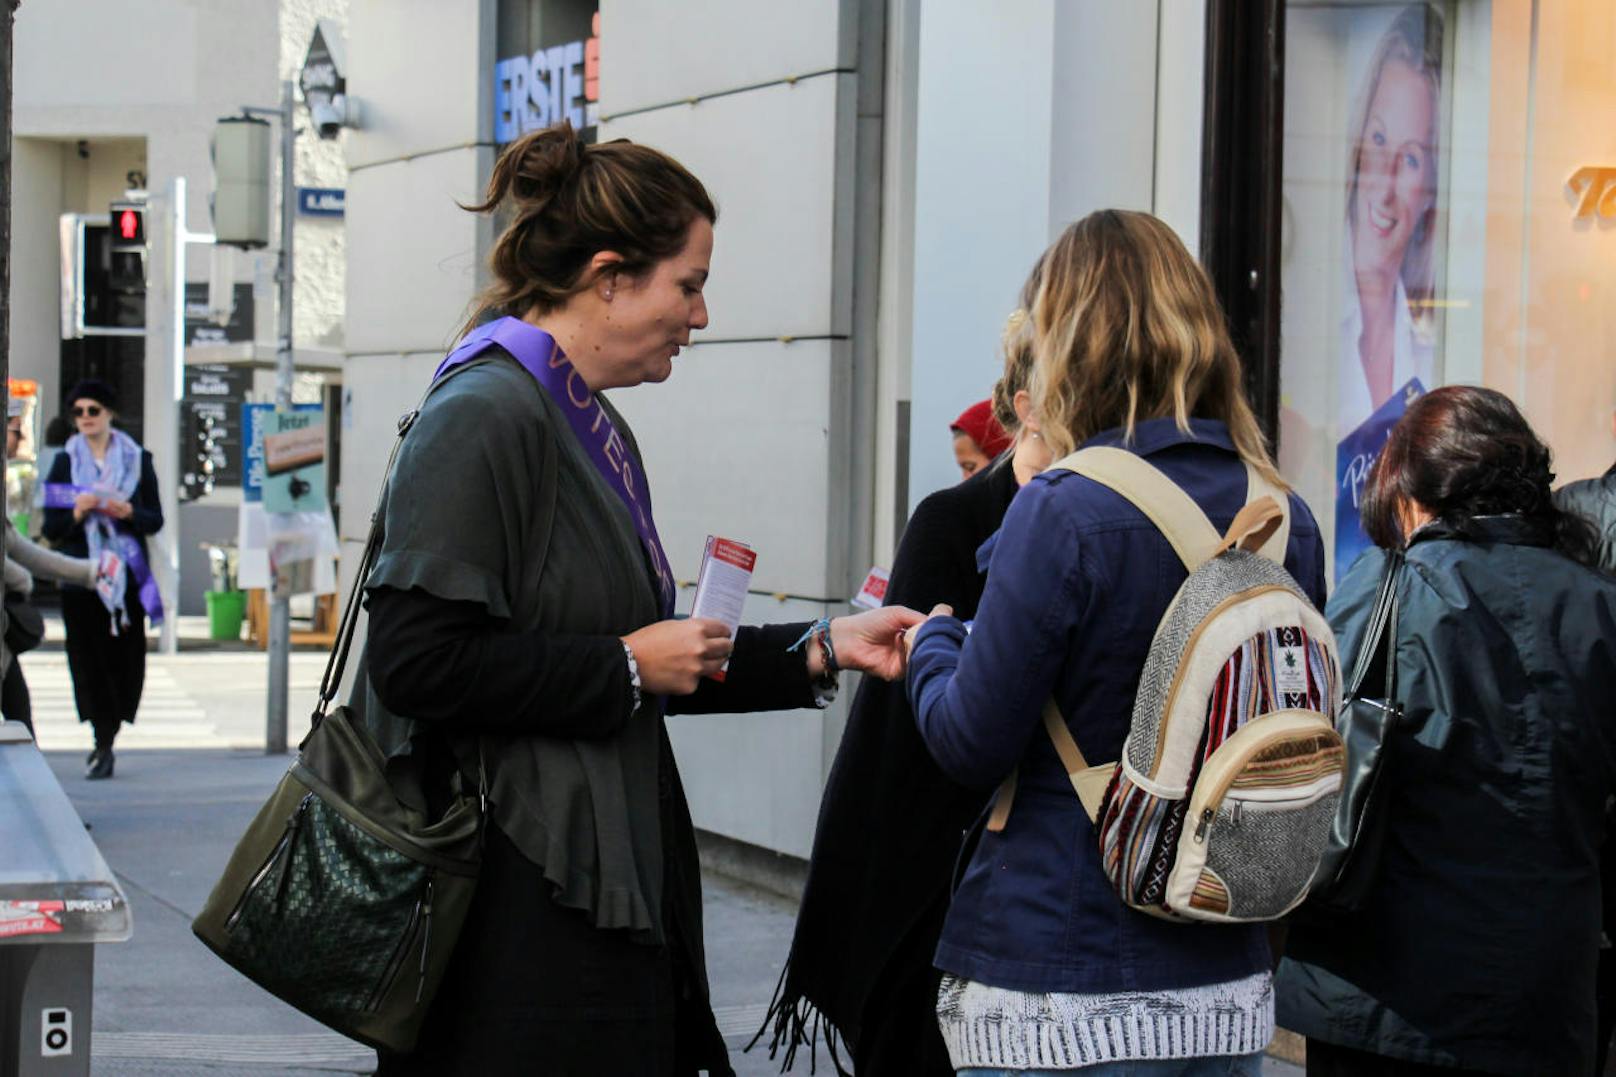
(1077, 581)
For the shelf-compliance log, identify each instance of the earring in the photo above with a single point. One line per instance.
(608, 295)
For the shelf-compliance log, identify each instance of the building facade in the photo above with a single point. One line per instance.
(113, 96)
(887, 172)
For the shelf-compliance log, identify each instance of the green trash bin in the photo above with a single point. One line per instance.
(225, 611)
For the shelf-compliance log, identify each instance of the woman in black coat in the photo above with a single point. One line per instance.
(890, 823)
(1475, 950)
(101, 502)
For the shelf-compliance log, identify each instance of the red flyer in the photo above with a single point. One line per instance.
(726, 576)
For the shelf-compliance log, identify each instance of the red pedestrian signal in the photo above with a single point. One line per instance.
(128, 221)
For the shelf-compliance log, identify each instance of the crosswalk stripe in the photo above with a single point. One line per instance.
(168, 716)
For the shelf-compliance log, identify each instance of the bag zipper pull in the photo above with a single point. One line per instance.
(292, 825)
(426, 939)
(1206, 821)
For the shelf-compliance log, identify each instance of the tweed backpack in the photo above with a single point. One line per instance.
(1221, 805)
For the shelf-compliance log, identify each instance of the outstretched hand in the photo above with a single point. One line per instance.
(872, 641)
(939, 610)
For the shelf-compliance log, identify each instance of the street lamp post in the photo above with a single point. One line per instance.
(280, 612)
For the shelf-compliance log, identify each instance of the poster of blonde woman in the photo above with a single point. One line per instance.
(1389, 345)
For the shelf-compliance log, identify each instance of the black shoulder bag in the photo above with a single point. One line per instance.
(341, 899)
(1367, 723)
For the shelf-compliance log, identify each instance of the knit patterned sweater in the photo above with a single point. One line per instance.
(994, 1027)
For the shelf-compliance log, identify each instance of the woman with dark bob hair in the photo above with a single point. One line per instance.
(1476, 947)
(521, 627)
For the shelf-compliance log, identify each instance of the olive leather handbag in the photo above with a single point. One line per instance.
(340, 899)
(1369, 719)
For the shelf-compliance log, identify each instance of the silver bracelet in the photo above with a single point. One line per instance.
(633, 678)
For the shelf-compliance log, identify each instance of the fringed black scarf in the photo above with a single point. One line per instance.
(859, 973)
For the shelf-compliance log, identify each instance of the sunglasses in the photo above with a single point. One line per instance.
(88, 411)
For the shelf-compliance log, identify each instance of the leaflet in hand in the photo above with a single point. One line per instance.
(726, 575)
(873, 594)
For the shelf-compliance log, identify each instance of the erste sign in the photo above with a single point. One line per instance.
(560, 82)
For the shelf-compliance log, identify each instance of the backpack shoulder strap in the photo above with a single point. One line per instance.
(1089, 783)
(1163, 501)
(1257, 488)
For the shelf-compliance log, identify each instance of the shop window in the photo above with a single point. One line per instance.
(1441, 225)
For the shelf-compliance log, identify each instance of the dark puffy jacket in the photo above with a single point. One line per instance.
(1596, 500)
(1478, 945)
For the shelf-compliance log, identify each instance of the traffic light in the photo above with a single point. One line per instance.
(128, 221)
(126, 240)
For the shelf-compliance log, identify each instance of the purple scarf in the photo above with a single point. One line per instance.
(541, 357)
(117, 476)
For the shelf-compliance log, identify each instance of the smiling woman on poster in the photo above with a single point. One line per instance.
(1392, 209)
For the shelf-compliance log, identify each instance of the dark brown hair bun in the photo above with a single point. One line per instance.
(566, 201)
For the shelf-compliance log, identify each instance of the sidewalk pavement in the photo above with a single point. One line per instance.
(190, 775)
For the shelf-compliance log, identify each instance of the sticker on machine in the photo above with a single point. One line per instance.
(30, 918)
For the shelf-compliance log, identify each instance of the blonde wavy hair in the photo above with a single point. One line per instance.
(1016, 345)
(1127, 328)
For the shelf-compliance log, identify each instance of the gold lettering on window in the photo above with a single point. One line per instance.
(1595, 188)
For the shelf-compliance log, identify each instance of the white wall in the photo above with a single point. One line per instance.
(751, 438)
(1024, 118)
(413, 255)
(981, 205)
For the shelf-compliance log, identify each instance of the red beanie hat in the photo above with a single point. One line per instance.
(977, 423)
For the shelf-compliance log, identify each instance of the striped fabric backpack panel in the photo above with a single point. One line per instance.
(1221, 805)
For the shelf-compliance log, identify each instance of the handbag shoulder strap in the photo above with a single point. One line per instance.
(336, 663)
(1379, 647)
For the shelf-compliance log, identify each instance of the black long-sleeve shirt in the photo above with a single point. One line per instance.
(438, 660)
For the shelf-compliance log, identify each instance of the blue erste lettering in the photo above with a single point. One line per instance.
(538, 91)
(506, 125)
(572, 75)
(555, 58)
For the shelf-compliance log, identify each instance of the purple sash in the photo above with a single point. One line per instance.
(540, 356)
(61, 495)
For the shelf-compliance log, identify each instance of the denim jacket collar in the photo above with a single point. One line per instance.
(1150, 436)
(1154, 435)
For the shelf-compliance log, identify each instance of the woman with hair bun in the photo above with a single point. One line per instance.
(522, 629)
(1476, 948)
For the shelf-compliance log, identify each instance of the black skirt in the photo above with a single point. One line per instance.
(535, 988)
(108, 671)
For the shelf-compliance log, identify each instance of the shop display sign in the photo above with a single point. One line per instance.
(200, 330)
(294, 460)
(254, 420)
(557, 82)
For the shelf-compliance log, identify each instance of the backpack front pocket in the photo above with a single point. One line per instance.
(1259, 819)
